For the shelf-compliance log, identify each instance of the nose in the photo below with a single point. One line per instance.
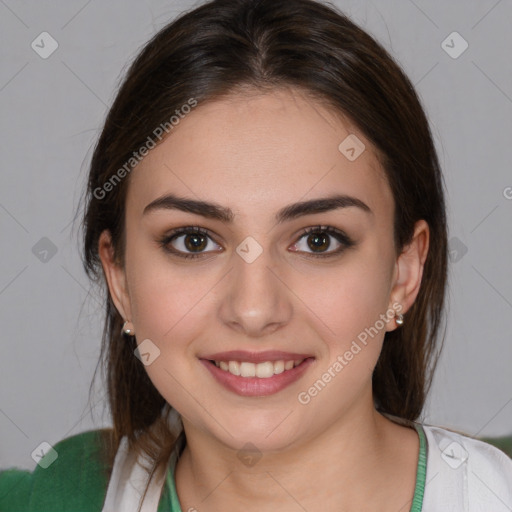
(256, 300)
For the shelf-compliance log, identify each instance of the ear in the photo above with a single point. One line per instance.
(409, 269)
(115, 275)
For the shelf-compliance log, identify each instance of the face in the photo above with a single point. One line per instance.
(296, 299)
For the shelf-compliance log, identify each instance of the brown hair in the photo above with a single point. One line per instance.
(227, 45)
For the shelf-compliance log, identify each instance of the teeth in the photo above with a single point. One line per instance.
(265, 370)
(234, 367)
(247, 369)
(278, 367)
(262, 370)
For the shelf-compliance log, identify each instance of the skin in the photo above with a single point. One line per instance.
(256, 153)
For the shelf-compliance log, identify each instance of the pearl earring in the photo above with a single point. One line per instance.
(130, 331)
(400, 319)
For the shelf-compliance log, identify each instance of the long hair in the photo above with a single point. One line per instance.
(229, 45)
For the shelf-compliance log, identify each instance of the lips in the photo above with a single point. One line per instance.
(256, 373)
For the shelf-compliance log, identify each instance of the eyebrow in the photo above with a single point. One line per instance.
(223, 214)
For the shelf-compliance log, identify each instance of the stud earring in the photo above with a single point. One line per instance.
(400, 319)
(129, 330)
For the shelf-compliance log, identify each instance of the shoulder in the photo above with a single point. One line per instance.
(467, 473)
(76, 479)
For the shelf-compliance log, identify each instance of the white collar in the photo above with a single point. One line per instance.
(463, 475)
(129, 479)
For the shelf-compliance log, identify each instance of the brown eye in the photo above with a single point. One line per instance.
(189, 242)
(319, 239)
(194, 242)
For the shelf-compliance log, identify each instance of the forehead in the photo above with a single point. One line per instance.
(256, 152)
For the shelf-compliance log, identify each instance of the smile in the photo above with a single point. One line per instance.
(254, 374)
(262, 370)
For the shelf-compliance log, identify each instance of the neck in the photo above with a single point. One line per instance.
(348, 465)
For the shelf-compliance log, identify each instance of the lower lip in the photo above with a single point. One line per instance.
(255, 386)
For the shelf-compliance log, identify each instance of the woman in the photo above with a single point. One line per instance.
(265, 206)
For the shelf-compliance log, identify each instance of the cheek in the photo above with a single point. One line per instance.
(171, 309)
(162, 292)
(165, 304)
(350, 304)
(350, 300)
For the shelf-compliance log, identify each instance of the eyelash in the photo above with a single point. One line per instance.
(340, 236)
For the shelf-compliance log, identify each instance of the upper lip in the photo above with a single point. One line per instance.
(255, 357)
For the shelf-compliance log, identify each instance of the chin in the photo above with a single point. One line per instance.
(262, 430)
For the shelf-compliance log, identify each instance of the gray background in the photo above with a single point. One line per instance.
(52, 110)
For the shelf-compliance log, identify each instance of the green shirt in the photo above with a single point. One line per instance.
(78, 479)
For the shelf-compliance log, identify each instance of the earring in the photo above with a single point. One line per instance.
(400, 319)
(130, 331)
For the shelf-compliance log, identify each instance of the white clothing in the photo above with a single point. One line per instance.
(462, 475)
